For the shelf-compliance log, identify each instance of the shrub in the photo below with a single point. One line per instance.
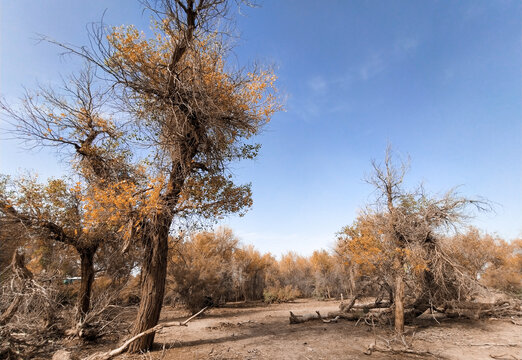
(280, 294)
(200, 270)
(130, 294)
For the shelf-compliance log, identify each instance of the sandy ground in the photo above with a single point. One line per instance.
(257, 331)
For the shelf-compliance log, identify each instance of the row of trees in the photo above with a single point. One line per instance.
(214, 266)
(211, 267)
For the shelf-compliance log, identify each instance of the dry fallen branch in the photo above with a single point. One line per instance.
(504, 357)
(110, 354)
(297, 319)
(374, 348)
(405, 347)
(512, 320)
(475, 310)
(347, 307)
(334, 320)
(494, 344)
(332, 317)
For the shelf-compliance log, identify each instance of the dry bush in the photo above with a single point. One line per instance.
(210, 268)
(505, 272)
(472, 250)
(130, 292)
(200, 270)
(295, 270)
(106, 319)
(30, 312)
(38, 312)
(400, 240)
(251, 270)
(493, 261)
(279, 294)
(331, 276)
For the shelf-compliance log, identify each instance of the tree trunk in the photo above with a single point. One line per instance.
(353, 284)
(153, 273)
(399, 304)
(87, 278)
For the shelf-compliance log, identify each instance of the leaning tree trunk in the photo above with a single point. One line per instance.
(87, 279)
(153, 274)
(399, 304)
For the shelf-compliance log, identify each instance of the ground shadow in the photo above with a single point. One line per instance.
(275, 329)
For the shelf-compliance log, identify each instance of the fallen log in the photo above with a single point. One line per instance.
(297, 319)
(330, 318)
(372, 306)
(352, 316)
(472, 310)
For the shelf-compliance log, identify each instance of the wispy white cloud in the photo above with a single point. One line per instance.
(318, 84)
(405, 45)
(317, 99)
(379, 62)
(321, 89)
(372, 67)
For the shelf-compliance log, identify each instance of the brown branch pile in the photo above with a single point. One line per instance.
(28, 324)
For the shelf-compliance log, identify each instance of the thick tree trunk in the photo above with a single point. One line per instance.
(153, 272)
(399, 304)
(154, 266)
(87, 279)
(353, 284)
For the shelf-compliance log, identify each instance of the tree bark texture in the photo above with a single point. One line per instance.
(87, 279)
(153, 272)
(399, 304)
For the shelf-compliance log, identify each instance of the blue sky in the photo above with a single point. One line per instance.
(439, 80)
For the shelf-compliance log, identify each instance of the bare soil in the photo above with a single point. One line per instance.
(258, 331)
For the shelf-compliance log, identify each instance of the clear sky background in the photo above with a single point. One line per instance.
(439, 80)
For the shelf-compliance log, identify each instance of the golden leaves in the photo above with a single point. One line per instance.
(116, 203)
(202, 67)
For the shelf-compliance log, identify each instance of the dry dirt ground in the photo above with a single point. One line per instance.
(257, 331)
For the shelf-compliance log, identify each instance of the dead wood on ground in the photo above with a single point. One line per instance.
(110, 354)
